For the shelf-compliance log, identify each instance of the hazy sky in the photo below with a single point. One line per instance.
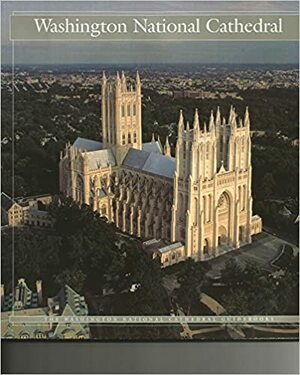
(148, 52)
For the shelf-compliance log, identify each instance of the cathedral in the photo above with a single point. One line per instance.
(197, 204)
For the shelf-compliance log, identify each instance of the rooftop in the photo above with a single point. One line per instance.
(100, 159)
(38, 213)
(154, 146)
(170, 247)
(85, 144)
(6, 201)
(151, 162)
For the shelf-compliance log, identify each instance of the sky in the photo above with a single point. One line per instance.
(147, 52)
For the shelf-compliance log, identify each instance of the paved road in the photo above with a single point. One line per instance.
(276, 330)
(212, 304)
(264, 248)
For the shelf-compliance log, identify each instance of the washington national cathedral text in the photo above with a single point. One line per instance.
(197, 204)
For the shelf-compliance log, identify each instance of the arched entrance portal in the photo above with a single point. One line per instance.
(206, 247)
(222, 236)
(224, 222)
(242, 233)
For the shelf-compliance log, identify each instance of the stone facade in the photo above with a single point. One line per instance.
(27, 211)
(11, 212)
(201, 197)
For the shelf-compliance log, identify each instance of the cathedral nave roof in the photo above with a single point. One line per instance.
(85, 144)
(150, 159)
(100, 159)
(153, 146)
(151, 162)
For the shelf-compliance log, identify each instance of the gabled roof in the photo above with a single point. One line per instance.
(73, 328)
(87, 144)
(100, 159)
(135, 158)
(161, 165)
(153, 146)
(70, 304)
(6, 201)
(151, 162)
(68, 296)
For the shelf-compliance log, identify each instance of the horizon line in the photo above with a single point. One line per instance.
(149, 64)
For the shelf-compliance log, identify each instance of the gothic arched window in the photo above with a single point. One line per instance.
(209, 208)
(123, 110)
(103, 210)
(207, 151)
(134, 109)
(196, 211)
(242, 144)
(79, 189)
(244, 197)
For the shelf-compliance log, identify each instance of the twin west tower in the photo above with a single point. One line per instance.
(198, 202)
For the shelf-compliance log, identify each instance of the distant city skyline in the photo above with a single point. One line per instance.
(154, 52)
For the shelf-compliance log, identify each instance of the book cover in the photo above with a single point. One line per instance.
(150, 155)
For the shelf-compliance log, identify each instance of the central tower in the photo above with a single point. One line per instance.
(121, 112)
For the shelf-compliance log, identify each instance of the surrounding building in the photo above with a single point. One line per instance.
(200, 199)
(25, 302)
(26, 210)
(11, 211)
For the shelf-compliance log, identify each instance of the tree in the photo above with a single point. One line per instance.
(150, 297)
(35, 255)
(191, 278)
(268, 185)
(74, 278)
(232, 273)
(252, 291)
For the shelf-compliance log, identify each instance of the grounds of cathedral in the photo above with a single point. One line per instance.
(87, 250)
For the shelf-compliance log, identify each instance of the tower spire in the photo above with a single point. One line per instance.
(138, 82)
(247, 118)
(196, 119)
(118, 80)
(230, 114)
(232, 117)
(211, 121)
(167, 148)
(123, 79)
(137, 79)
(196, 125)
(218, 117)
(104, 79)
(180, 124)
